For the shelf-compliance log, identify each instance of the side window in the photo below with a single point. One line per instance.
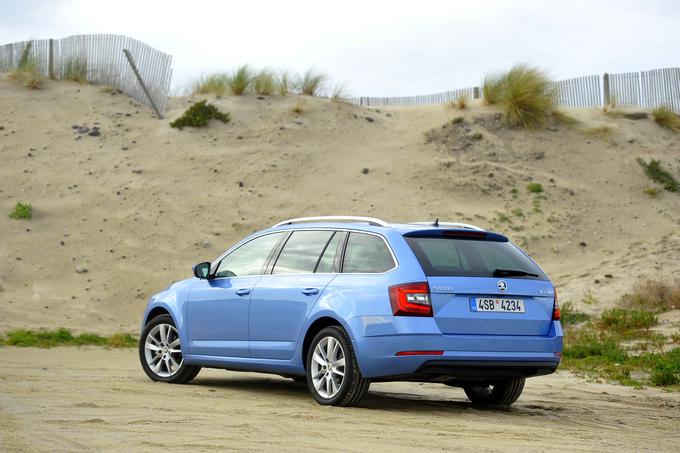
(248, 259)
(301, 252)
(327, 260)
(367, 253)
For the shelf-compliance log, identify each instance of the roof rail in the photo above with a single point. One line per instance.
(334, 218)
(465, 226)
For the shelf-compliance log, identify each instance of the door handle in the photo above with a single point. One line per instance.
(310, 291)
(243, 291)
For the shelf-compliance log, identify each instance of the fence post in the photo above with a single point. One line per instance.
(141, 82)
(605, 89)
(50, 62)
(475, 93)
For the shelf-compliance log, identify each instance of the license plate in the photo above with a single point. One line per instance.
(497, 305)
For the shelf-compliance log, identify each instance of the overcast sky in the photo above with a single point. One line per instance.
(385, 48)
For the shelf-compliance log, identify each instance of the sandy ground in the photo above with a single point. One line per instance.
(141, 202)
(93, 399)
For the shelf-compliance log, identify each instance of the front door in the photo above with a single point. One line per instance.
(218, 308)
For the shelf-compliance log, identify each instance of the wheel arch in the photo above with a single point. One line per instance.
(158, 310)
(317, 326)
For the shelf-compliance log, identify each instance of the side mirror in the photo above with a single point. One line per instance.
(202, 270)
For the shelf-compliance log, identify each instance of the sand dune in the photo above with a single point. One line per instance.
(141, 202)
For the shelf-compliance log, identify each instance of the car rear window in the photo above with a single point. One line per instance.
(455, 257)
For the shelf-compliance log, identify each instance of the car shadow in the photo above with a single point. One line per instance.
(374, 400)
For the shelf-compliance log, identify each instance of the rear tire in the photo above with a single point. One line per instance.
(502, 393)
(161, 355)
(333, 375)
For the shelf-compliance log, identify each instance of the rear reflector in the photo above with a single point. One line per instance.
(402, 353)
(411, 299)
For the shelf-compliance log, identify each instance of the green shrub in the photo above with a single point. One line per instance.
(240, 80)
(664, 117)
(458, 120)
(199, 115)
(264, 82)
(63, 337)
(620, 320)
(75, 70)
(586, 343)
(535, 187)
(526, 98)
(491, 88)
(667, 370)
(570, 316)
(654, 172)
(22, 211)
(476, 136)
(217, 84)
(311, 82)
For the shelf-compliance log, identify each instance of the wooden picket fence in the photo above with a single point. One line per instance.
(645, 89)
(101, 60)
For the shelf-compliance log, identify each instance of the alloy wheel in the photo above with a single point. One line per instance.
(328, 367)
(162, 350)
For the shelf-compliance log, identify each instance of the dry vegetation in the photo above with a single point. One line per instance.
(267, 82)
(667, 119)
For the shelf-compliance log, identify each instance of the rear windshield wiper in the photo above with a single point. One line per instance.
(512, 273)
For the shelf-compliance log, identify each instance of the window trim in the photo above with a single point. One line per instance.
(276, 251)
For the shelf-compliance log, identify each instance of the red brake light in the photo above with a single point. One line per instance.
(557, 314)
(411, 299)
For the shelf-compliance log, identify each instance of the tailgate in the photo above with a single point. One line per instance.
(454, 300)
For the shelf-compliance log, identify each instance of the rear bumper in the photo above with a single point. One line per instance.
(377, 340)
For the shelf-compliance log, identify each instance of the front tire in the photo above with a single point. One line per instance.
(161, 355)
(333, 375)
(502, 393)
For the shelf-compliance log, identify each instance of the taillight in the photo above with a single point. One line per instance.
(556, 308)
(411, 299)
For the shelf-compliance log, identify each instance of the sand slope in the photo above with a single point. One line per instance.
(139, 204)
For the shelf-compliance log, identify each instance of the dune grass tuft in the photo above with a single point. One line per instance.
(75, 70)
(283, 83)
(199, 115)
(461, 101)
(340, 92)
(28, 72)
(22, 211)
(619, 320)
(526, 98)
(311, 82)
(603, 132)
(264, 82)
(240, 80)
(656, 173)
(491, 88)
(655, 295)
(217, 84)
(666, 118)
(63, 337)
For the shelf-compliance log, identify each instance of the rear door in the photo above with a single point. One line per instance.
(281, 301)
(483, 285)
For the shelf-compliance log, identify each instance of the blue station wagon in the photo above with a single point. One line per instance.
(339, 302)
